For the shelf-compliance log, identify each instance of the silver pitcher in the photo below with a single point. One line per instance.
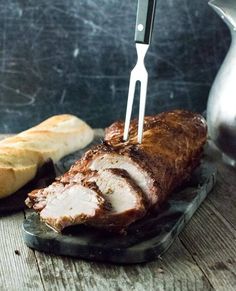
(221, 107)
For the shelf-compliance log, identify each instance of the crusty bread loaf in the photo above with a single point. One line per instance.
(23, 154)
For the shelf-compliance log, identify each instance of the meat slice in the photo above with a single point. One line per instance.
(67, 201)
(65, 205)
(37, 199)
(171, 149)
(137, 173)
(125, 197)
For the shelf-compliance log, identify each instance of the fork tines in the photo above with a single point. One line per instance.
(139, 73)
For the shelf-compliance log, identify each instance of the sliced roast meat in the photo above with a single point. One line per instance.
(71, 204)
(119, 190)
(71, 177)
(138, 174)
(67, 202)
(170, 150)
(76, 204)
(124, 196)
(37, 199)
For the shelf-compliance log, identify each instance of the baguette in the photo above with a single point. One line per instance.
(22, 155)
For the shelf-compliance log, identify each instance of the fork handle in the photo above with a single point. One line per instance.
(144, 21)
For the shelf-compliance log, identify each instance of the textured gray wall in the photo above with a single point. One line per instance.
(75, 56)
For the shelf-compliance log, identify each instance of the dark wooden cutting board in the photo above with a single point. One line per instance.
(145, 240)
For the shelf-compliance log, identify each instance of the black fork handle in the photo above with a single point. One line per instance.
(144, 21)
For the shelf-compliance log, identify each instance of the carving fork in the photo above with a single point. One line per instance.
(143, 31)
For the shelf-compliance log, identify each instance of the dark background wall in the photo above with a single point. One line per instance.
(75, 56)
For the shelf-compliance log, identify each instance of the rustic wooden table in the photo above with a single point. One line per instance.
(202, 258)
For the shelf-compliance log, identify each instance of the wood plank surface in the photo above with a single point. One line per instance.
(212, 242)
(175, 271)
(224, 195)
(18, 265)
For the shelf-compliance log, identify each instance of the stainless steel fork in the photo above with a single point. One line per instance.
(143, 31)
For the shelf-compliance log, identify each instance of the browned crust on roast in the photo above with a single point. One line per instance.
(171, 148)
(132, 152)
(170, 120)
(113, 223)
(37, 199)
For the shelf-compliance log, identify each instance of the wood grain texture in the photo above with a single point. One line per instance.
(224, 196)
(18, 266)
(175, 271)
(212, 242)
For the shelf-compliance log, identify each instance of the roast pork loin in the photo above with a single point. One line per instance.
(171, 149)
(131, 178)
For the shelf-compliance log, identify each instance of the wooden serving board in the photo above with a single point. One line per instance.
(145, 240)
